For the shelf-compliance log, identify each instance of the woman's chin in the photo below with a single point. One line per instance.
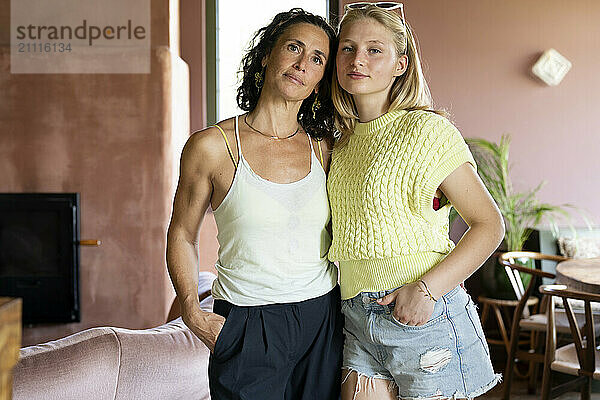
(292, 92)
(354, 86)
(357, 91)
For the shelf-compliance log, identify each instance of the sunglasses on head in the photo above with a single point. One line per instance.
(384, 5)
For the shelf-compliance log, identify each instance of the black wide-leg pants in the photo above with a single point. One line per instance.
(289, 351)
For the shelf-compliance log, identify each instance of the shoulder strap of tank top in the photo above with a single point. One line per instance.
(238, 142)
(227, 143)
(320, 152)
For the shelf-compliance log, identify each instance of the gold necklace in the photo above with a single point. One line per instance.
(267, 135)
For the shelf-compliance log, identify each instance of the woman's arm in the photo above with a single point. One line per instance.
(468, 195)
(192, 198)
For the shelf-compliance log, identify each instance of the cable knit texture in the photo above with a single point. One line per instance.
(381, 187)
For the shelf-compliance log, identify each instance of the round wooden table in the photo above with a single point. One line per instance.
(581, 274)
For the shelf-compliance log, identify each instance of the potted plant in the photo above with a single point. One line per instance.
(522, 211)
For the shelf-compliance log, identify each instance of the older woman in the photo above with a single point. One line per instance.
(276, 330)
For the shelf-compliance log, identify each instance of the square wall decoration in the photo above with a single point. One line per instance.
(551, 67)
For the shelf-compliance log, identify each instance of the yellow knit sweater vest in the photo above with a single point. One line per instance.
(381, 186)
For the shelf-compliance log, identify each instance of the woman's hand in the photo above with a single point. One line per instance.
(412, 304)
(205, 325)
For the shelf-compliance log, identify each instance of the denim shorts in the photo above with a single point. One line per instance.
(448, 356)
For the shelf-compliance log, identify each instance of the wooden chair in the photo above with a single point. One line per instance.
(535, 323)
(499, 308)
(522, 319)
(580, 358)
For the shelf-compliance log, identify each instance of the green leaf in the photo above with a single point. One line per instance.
(522, 211)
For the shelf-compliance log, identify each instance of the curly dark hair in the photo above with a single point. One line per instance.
(319, 127)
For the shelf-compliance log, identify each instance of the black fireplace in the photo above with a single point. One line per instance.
(39, 254)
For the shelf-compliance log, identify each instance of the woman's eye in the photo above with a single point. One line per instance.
(346, 49)
(317, 60)
(374, 51)
(293, 47)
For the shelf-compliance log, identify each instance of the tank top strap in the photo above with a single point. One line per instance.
(320, 153)
(227, 144)
(312, 150)
(237, 137)
(309, 141)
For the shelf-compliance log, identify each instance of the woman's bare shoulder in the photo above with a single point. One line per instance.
(207, 146)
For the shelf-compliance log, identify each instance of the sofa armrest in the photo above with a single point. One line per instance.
(84, 365)
(166, 362)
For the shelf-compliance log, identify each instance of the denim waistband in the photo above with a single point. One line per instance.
(367, 297)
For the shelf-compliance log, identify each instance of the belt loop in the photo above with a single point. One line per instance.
(445, 312)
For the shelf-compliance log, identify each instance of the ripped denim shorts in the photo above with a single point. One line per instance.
(447, 357)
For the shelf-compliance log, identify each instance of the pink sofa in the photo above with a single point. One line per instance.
(167, 362)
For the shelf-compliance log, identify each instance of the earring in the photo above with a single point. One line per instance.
(315, 106)
(258, 79)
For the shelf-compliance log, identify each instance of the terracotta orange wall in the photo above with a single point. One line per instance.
(110, 137)
(477, 56)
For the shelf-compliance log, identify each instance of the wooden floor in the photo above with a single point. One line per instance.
(519, 392)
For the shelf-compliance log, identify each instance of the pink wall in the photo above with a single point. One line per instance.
(109, 137)
(477, 56)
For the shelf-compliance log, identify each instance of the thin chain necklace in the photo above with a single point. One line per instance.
(267, 135)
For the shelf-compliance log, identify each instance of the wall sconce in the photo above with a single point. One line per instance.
(551, 67)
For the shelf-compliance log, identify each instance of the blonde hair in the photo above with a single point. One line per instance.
(409, 91)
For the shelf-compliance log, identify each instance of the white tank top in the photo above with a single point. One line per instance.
(273, 238)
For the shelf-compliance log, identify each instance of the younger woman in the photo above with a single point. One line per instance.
(410, 330)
